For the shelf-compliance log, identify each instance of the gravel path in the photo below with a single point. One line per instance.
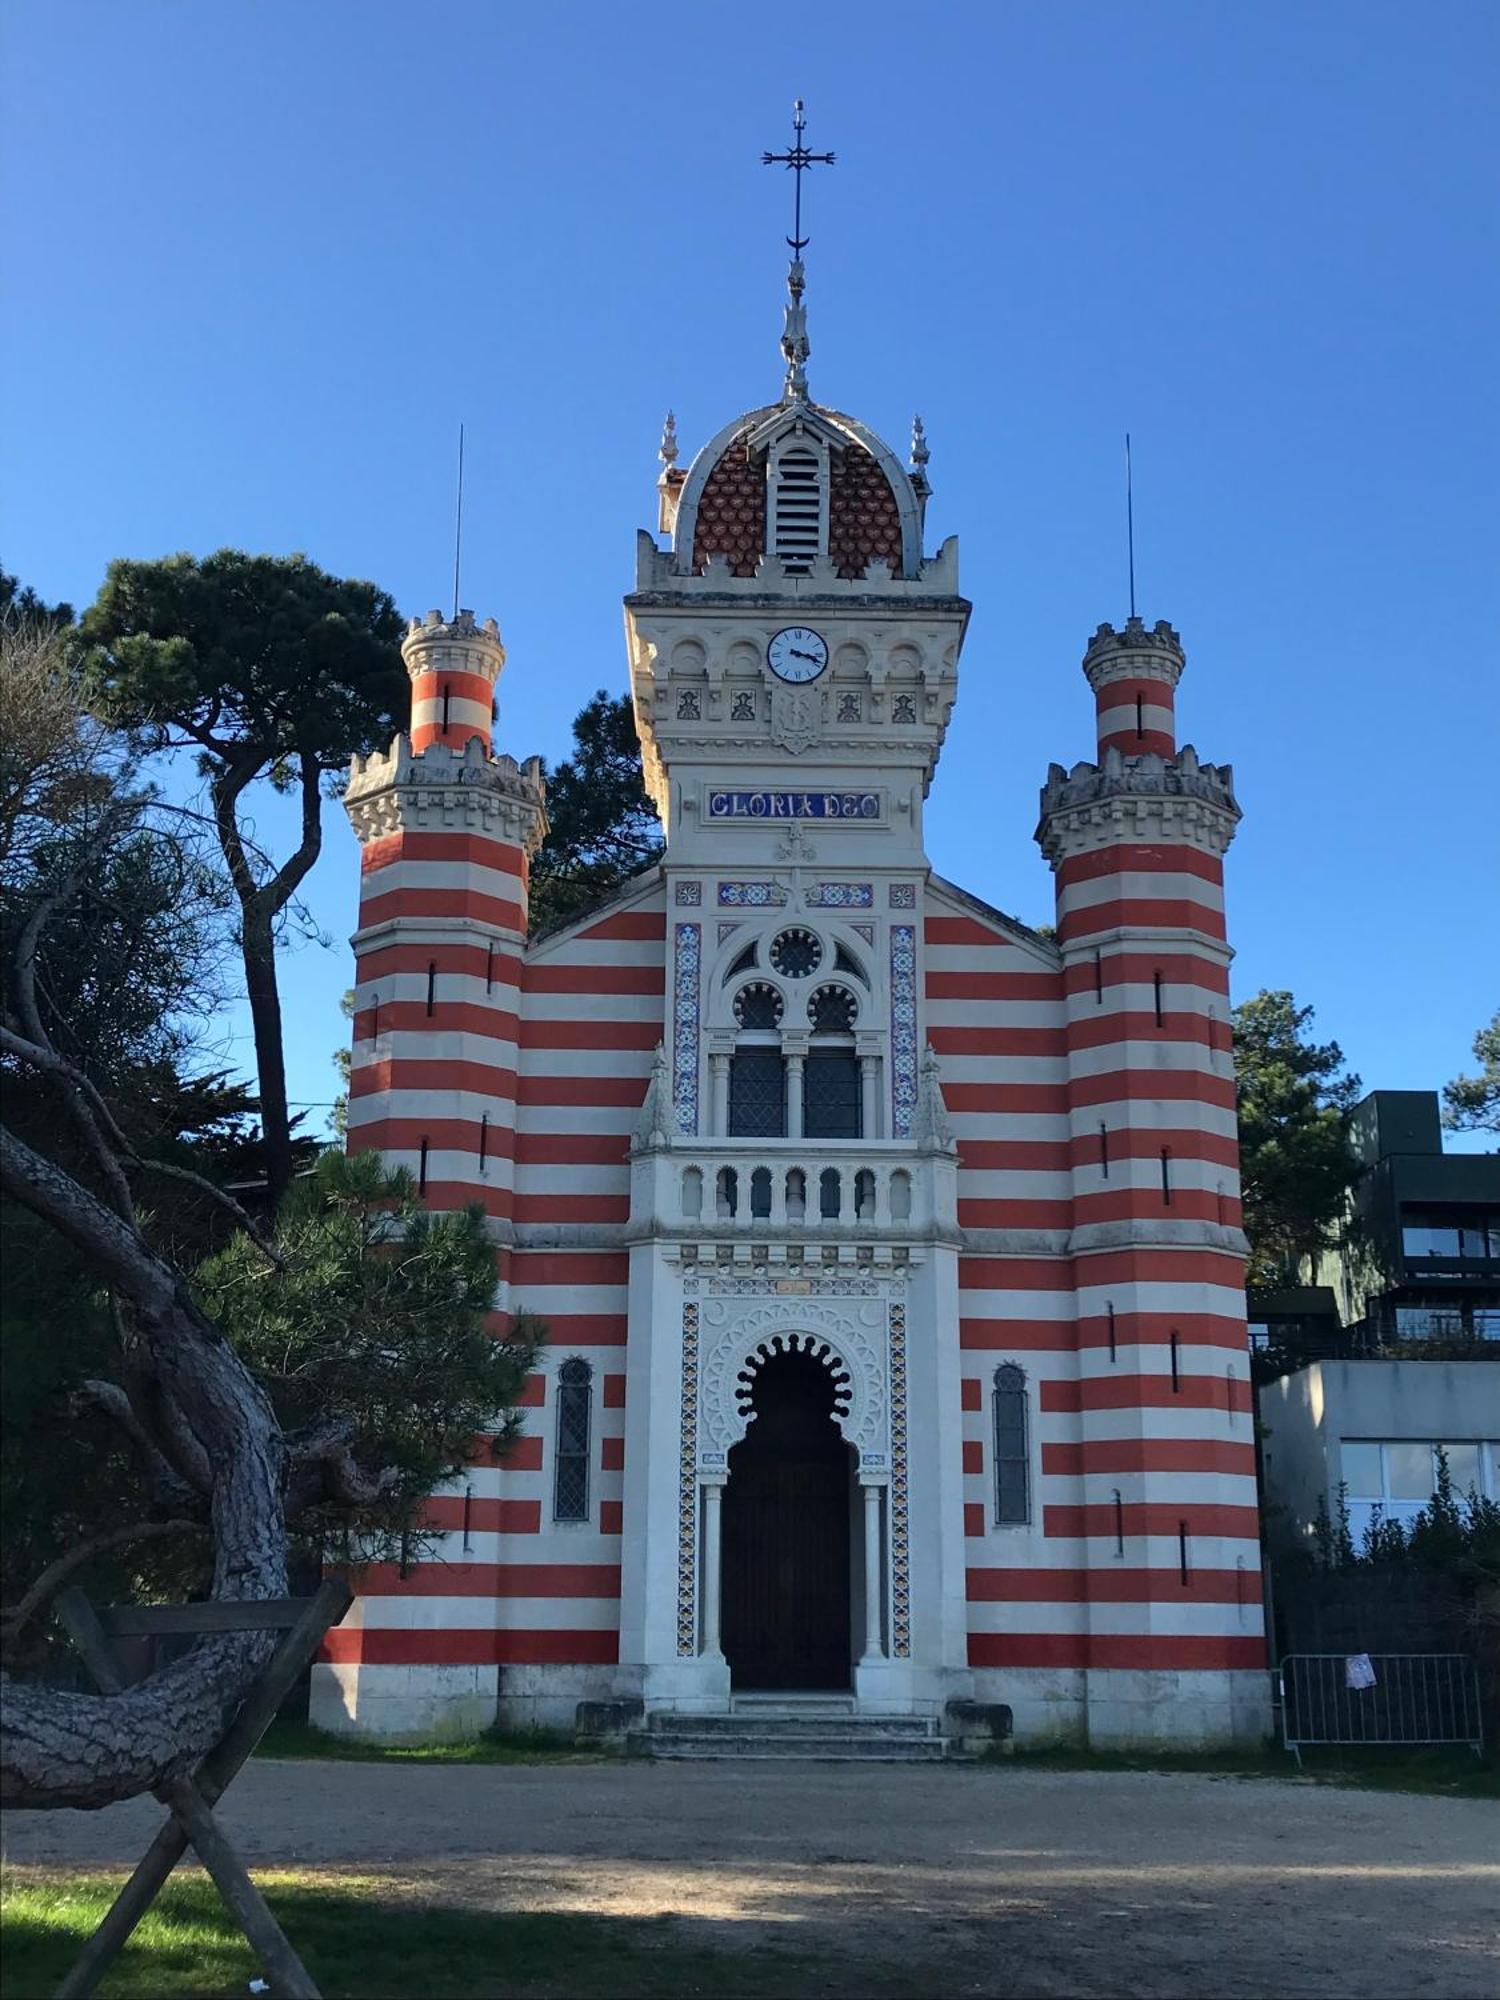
(985, 1881)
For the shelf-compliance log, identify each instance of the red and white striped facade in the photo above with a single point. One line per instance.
(1046, 1174)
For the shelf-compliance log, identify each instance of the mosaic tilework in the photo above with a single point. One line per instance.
(742, 707)
(727, 931)
(689, 894)
(687, 1490)
(904, 709)
(903, 895)
(685, 1025)
(903, 1028)
(689, 706)
(747, 895)
(900, 1536)
(866, 931)
(851, 708)
(841, 896)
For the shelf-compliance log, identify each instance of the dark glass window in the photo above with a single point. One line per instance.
(1012, 1468)
(757, 1094)
(757, 1005)
(796, 953)
(830, 1096)
(832, 1010)
(575, 1394)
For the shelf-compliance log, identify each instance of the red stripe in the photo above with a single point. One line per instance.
(1177, 1267)
(471, 1649)
(572, 1207)
(429, 682)
(446, 903)
(1093, 1031)
(1144, 1142)
(502, 965)
(525, 1455)
(1146, 1086)
(1146, 1517)
(1015, 1274)
(1140, 858)
(1131, 1329)
(598, 1092)
(614, 1385)
(446, 1135)
(1081, 1649)
(1149, 1455)
(562, 977)
(379, 1074)
(1012, 1098)
(611, 1517)
(1145, 1204)
(1146, 1392)
(585, 1330)
(612, 1454)
(973, 1456)
(1113, 693)
(998, 1041)
(973, 1517)
(979, 985)
(1113, 1586)
(1008, 1214)
(448, 1016)
(488, 1579)
(971, 1394)
(473, 849)
(1131, 742)
(639, 924)
(569, 1267)
(973, 930)
(555, 1034)
(572, 1149)
(1118, 968)
(502, 1517)
(1136, 913)
(1036, 1336)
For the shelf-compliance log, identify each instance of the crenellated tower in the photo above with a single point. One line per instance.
(447, 830)
(1136, 842)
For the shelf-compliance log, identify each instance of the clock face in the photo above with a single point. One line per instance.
(797, 654)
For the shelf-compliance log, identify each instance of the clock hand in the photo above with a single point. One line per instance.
(798, 654)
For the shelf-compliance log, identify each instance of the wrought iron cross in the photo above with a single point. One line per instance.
(799, 159)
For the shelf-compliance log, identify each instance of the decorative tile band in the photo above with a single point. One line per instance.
(903, 895)
(900, 1536)
(903, 1028)
(687, 1490)
(685, 1026)
(749, 895)
(841, 896)
(689, 895)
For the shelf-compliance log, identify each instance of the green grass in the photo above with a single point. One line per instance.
(359, 1935)
(1455, 1773)
(495, 1746)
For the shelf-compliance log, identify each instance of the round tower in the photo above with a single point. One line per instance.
(454, 665)
(1134, 675)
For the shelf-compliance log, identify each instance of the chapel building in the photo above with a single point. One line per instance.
(890, 1251)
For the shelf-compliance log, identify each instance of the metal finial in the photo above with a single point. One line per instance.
(1130, 522)
(458, 521)
(667, 449)
(794, 342)
(919, 448)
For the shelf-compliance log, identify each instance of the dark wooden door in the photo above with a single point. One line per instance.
(785, 1569)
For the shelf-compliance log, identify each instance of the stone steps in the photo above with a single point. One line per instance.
(824, 1733)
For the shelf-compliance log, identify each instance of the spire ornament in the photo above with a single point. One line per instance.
(920, 454)
(795, 346)
(666, 451)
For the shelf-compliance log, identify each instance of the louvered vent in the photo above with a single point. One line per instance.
(798, 508)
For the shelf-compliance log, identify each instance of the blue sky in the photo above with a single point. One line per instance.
(265, 255)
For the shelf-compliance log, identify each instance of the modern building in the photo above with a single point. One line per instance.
(890, 1251)
(1375, 1427)
(1418, 1254)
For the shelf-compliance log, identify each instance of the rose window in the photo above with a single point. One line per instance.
(796, 953)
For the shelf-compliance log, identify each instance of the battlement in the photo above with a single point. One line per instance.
(1136, 799)
(439, 785)
(1134, 652)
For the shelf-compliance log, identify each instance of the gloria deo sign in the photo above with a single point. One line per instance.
(794, 805)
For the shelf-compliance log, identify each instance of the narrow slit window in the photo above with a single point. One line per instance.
(570, 1483)
(1166, 1175)
(1099, 977)
(1119, 1524)
(1114, 1345)
(489, 969)
(422, 1169)
(1174, 1350)
(1140, 715)
(447, 705)
(468, 1539)
(431, 984)
(1156, 996)
(375, 1019)
(1104, 1150)
(1012, 1464)
(1182, 1554)
(484, 1138)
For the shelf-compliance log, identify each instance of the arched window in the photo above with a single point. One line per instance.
(570, 1479)
(830, 1194)
(692, 1193)
(796, 1195)
(864, 1195)
(900, 1195)
(760, 1193)
(1012, 1465)
(726, 1194)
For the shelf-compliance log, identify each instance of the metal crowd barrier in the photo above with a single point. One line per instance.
(1380, 1698)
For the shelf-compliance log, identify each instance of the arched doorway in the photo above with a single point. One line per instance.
(785, 1602)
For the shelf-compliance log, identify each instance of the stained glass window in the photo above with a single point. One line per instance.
(575, 1395)
(1012, 1467)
